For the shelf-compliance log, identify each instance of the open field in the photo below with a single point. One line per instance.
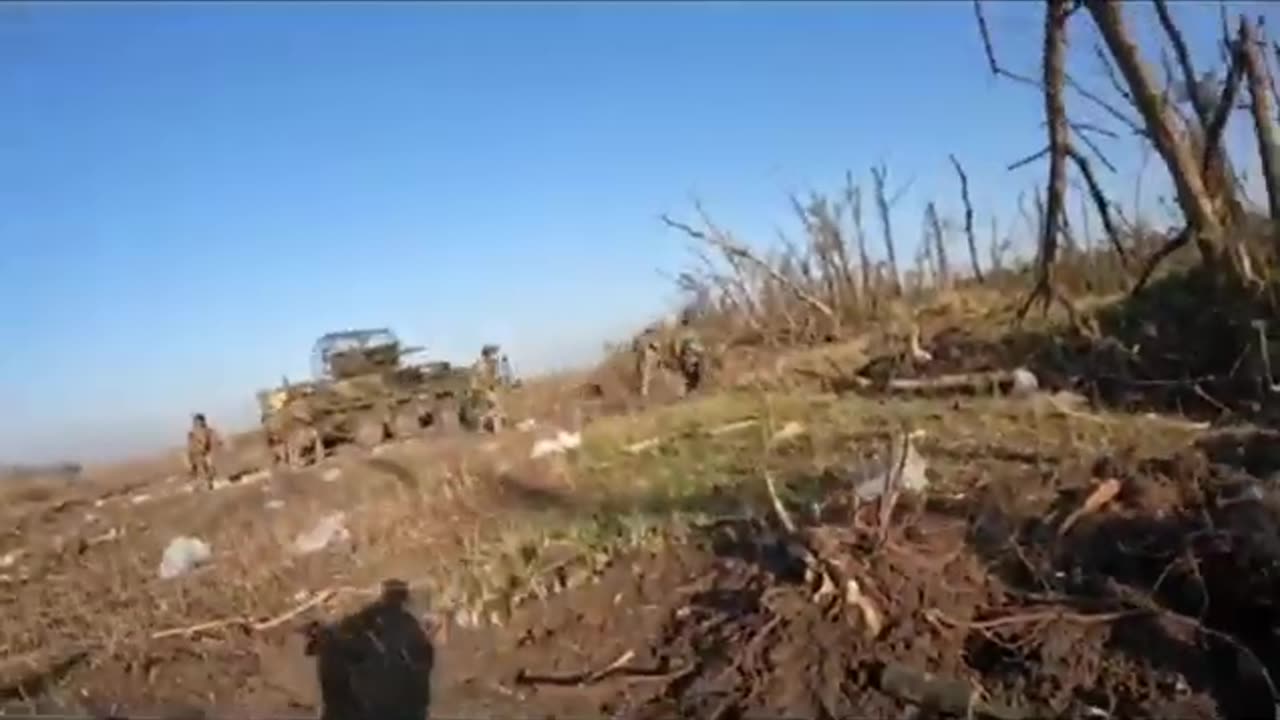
(650, 562)
(1040, 488)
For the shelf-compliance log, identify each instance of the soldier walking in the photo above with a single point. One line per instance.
(690, 354)
(202, 440)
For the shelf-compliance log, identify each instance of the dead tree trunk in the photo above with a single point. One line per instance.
(1055, 71)
(940, 250)
(968, 219)
(1162, 127)
(1268, 146)
(880, 176)
(853, 197)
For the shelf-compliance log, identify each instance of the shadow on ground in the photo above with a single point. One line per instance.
(376, 663)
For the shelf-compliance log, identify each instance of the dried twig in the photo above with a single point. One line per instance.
(734, 250)
(249, 623)
(1101, 495)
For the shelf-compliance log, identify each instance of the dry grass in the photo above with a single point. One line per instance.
(473, 520)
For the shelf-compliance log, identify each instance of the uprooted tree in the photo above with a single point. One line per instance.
(1191, 148)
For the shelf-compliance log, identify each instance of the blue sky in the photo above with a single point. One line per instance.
(191, 193)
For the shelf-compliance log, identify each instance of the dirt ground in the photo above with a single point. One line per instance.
(1060, 563)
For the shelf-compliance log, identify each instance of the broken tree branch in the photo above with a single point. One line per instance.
(1100, 202)
(732, 249)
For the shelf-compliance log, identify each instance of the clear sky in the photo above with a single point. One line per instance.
(190, 193)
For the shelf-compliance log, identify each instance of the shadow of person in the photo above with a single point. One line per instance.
(376, 663)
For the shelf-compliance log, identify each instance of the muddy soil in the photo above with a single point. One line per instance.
(1159, 604)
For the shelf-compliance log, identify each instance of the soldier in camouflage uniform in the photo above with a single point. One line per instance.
(289, 437)
(645, 349)
(690, 355)
(201, 442)
(486, 376)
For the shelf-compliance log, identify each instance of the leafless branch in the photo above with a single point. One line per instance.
(969, 234)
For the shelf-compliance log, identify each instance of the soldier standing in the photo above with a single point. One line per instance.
(645, 349)
(201, 442)
(690, 354)
(485, 378)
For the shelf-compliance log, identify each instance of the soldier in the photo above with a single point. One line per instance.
(645, 349)
(289, 437)
(486, 377)
(689, 354)
(201, 442)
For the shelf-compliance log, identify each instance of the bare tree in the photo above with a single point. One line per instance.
(884, 203)
(968, 219)
(853, 199)
(934, 231)
(1255, 71)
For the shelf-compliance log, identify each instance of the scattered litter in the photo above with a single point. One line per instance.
(140, 498)
(90, 518)
(1024, 383)
(380, 449)
(331, 475)
(301, 596)
(220, 483)
(329, 529)
(99, 502)
(526, 425)
(182, 556)
(273, 504)
(789, 431)
(914, 474)
(8, 559)
(563, 441)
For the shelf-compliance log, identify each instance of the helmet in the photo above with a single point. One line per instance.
(489, 350)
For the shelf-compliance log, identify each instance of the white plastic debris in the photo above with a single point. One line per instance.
(8, 559)
(328, 530)
(140, 498)
(331, 475)
(1024, 383)
(562, 442)
(526, 425)
(183, 555)
(273, 504)
(914, 475)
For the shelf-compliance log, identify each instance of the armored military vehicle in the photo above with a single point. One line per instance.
(363, 391)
